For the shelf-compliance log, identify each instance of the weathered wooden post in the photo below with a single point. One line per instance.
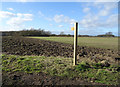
(75, 43)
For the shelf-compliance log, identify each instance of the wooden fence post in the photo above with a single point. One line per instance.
(75, 43)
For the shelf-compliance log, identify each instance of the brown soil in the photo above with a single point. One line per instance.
(20, 78)
(28, 46)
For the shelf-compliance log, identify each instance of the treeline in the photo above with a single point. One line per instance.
(40, 32)
(108, 34)
(84, 35)
(105, 35)
(31, 32)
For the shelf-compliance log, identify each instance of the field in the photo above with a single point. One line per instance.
(30, 61)
(99, 42)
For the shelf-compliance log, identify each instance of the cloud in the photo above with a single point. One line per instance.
(112, 21)
(72, 21)
(18, 21)
(11, 9)
(105, 0)
(27, 17)
(60, 25)
(15, 21)
(49, 19)
(51, 24)
(89, 21)
(60, 0)
(86, 10)
(6, 14)
(96, 20)
(104, 12)
(23, 0)
(107, 7)
(58, 18)
(40, 14)
(43, 16)
(62, 18)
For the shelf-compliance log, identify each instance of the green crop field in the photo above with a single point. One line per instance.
(99, 42)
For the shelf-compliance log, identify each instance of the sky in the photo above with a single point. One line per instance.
(94, 18)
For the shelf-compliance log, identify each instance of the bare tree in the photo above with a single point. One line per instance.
(62, 33)
(108, 33)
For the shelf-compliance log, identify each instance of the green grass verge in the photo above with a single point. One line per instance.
(57, 66)
(99, 42)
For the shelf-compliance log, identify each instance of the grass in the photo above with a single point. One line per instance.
(57, 66)
(99, 42)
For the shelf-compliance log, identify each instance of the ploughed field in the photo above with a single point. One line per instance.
(52, 60)
(30, 46)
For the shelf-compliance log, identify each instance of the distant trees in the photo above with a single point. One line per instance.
(40, 32)
(31, 32)
(34, 32)
(62, 33)
(108, 34)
